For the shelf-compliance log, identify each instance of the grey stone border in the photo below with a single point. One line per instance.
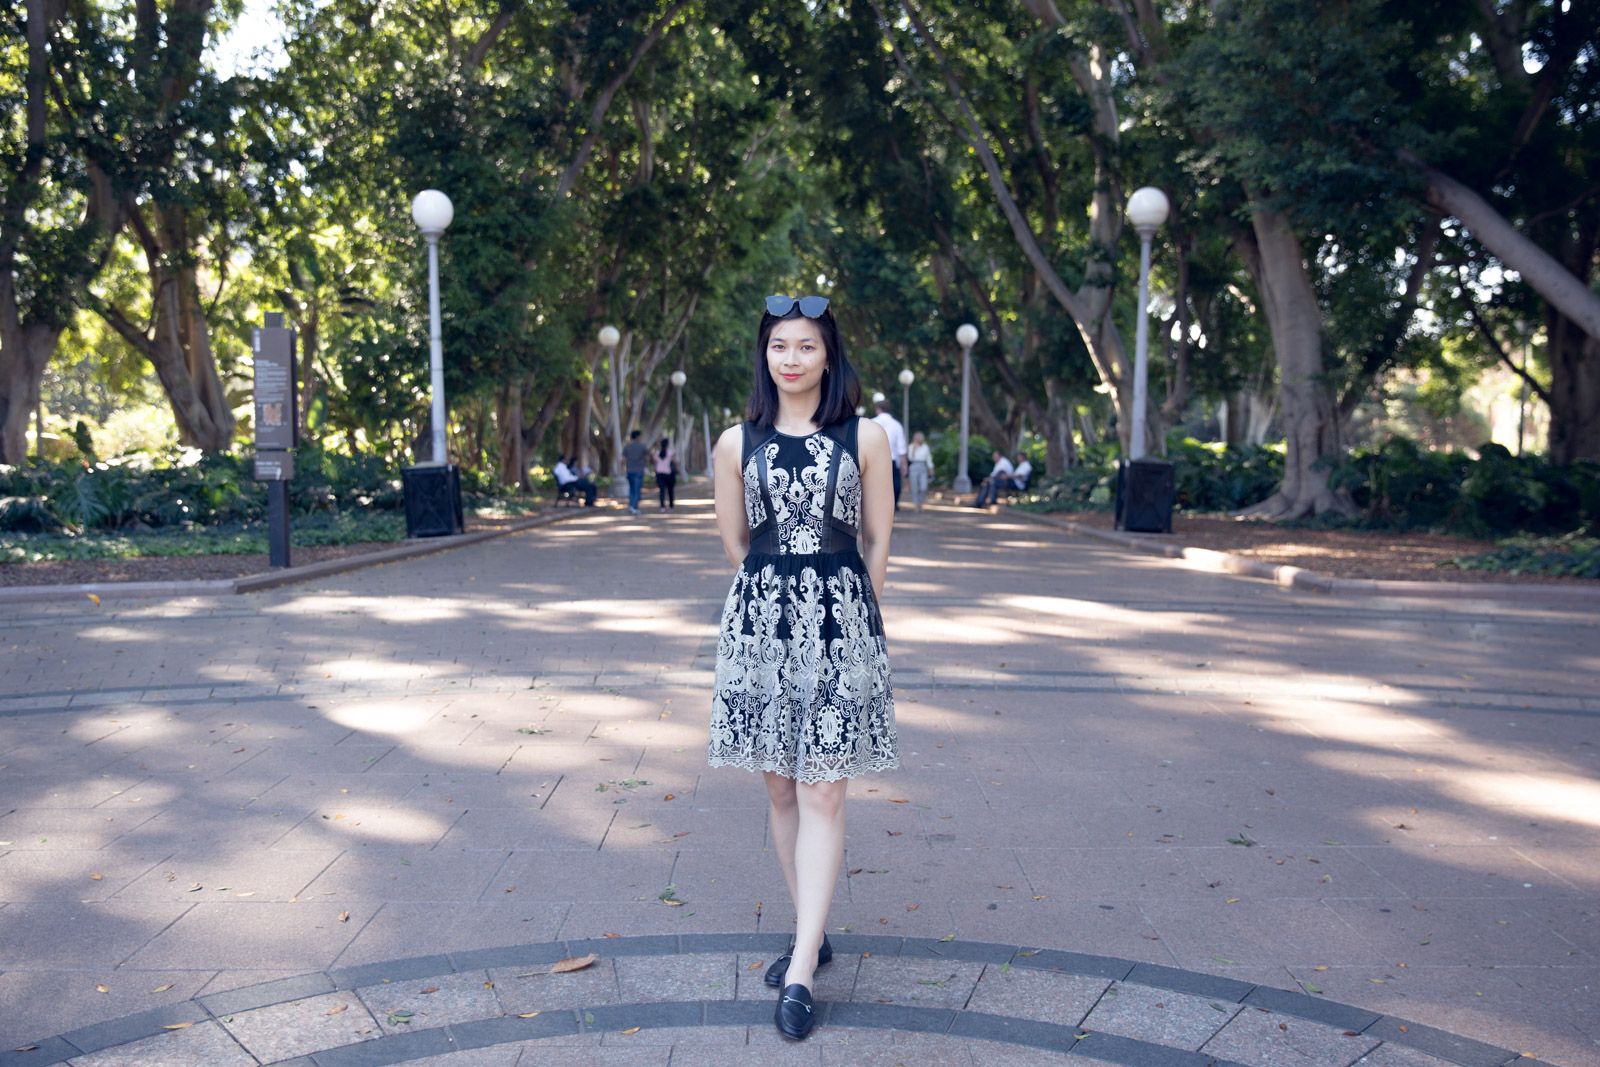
(482, 1033)
(1214, 562)
(255, 583)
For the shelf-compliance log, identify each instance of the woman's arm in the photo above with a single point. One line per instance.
(731, 521)
(877, 500)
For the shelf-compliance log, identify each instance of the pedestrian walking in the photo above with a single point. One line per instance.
(634, 455)
(920, 458)
(666, 460)
(802, 689)
(897, 440)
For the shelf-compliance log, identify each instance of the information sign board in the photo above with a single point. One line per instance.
(274, 466)
(277, 404)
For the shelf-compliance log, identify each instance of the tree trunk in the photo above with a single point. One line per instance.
(1311, 423)
(1057, 428)
(1574, 391)
(513, 466)
(24, 351)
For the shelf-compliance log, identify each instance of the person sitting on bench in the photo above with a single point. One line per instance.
(989, 488)
(569, 482)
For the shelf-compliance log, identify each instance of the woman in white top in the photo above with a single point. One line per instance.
(921, 459)
(666, 462)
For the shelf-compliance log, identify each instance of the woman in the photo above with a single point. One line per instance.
(802, 681)
(921, 458)
(666, 474)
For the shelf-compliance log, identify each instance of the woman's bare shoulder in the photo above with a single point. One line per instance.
(870, 433)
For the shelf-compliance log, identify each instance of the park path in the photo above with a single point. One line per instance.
(1394, 805)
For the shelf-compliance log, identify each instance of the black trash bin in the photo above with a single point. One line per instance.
(433, 500)
(1145, 491)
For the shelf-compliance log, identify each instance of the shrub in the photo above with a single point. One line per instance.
(1572, 554)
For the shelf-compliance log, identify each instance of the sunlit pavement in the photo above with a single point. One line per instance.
(1390, 805)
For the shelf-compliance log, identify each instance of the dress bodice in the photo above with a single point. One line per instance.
(802, 495)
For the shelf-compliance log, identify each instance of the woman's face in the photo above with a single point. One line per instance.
(796, 358)
(916, 438)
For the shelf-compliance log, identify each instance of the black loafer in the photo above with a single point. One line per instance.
(796, 1014)
(780, 966)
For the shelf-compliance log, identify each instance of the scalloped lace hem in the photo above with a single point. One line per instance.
(811, 778)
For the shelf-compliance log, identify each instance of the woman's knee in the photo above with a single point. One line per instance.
(781, 792)
(823, 799)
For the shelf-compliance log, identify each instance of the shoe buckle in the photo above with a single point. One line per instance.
(803, 1004)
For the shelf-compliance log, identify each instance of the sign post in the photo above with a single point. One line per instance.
(277, 424)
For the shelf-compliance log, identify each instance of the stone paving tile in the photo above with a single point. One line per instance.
(682, 1039)
(264, 874)
(202, 1045)
(479, 1057)
(1251, 933)
(524, 989)
(51, 829)
(436, 1001)
(40, 1003)
(1392, 1055)
(834, 982)
(82, 876)
(1044, 996)
(1159, 1015)
(407, 874)
(528, 828)
(407, 929)
(306, 936)
(994, 1054)
(1107, 927)
(1456, 871)
(79, 936)
(587, 875)
(340, 826)
(1122, 874)
(1267, 1039)
(646, 979)
(1431, 931)
(687, 830)
(652, 917)
(914, 877)
(919, 983)
(301, 1027)
(545, 1055)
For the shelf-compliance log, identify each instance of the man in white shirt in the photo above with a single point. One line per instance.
(897, 441)
(567, 478)
(1023, 472)
(1000, 476)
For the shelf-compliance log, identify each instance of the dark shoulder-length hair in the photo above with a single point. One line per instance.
(841, 389)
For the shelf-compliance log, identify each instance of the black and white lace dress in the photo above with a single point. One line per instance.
(802, 684)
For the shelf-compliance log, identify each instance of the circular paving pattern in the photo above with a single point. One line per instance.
(952, 1001)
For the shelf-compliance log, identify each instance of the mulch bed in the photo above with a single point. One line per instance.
(1338, 553)
(169, 568)
(194, 568)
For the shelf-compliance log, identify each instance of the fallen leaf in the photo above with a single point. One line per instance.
(757, 965)
(96, 604)
(894, 833)
(96, 877)
(176, 1026)
(527, 1015)
(431, 989)
(899, 801)
(670, 796)
(673, 903)
(948, 937)
(631, 1030)
(396, 1018)
(1319, 968)
(610, 935)
(344, 916)
(162, 988)
(1005, 887)
(336, 1009)
(574, 963)
(102, 989)
(1233, 900)
(913, 907)
(25, 1048)
(1405, 1029)
(1038, 898)
(1311, 988)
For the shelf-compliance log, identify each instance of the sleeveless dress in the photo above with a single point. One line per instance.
(802, 680)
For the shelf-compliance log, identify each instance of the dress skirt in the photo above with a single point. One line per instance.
(802, 680)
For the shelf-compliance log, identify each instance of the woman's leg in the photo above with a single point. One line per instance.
(818, 853)
(784, 806)
(672, 490)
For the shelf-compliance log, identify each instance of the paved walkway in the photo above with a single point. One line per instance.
(1194, 818)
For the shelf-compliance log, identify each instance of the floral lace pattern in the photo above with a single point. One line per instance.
(802, 679)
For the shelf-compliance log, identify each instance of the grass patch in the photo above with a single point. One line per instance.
(1573, 555)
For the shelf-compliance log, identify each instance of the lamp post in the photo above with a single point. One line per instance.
(1147, 210)
(609, 337)
(678, 378)
(906, 378)
(432, 212)
(966, 337)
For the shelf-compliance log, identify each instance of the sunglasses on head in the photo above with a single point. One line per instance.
(812, 307)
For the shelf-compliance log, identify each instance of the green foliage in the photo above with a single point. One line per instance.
(1208, 478)
(1572, 554)
(230, 539)
(1399, 485)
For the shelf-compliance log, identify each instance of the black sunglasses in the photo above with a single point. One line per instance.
(812, 307)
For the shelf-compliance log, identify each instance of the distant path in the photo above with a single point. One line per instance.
(1389, 802)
